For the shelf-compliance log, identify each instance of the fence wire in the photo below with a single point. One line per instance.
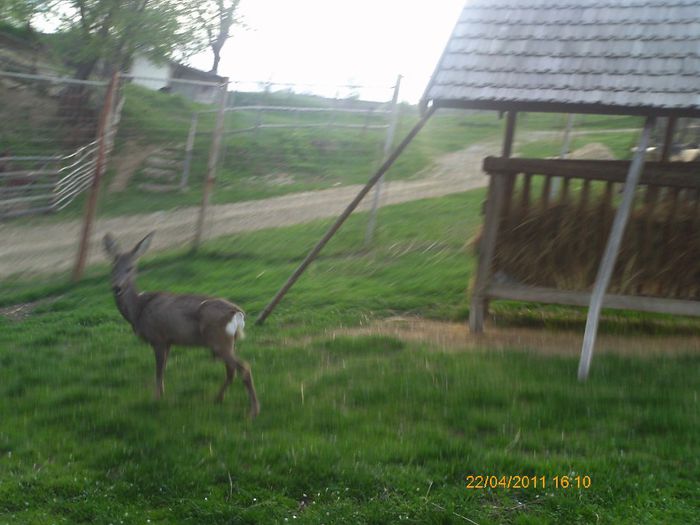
(275, 141)
(47, 142)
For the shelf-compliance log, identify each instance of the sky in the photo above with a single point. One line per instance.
(324, 43)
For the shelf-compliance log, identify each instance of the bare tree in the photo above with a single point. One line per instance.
(216, 18)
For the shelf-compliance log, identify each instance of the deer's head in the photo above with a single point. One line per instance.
(124, 263)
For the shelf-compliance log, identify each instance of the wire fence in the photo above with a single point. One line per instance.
(47, 143)
(181, 157)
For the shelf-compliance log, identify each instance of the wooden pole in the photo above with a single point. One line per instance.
(389, 140)
(212, 164)
(103, 140)
(487, 249)
(343, 216)
(607, 264)
(668, 139)
(510, 134)
(500, 189)
(188, 151)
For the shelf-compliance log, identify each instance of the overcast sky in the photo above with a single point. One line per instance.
(328, 42)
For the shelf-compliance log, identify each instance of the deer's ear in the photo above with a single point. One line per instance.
(143, 245)
(111, 246)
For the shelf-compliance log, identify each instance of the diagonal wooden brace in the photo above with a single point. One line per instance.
(607, 263)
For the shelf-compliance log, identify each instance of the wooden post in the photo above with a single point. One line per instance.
(668, 139)
(487, 248)
(510, 134)
(612, 249)
(500, 189)
(188, 151)
(103, 140)
(507, 152)
(388, 141)
(343, 216)
(212, 164)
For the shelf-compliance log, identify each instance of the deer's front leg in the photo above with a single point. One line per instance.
(161, 353)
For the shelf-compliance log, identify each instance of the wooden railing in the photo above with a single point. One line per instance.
(543, 244)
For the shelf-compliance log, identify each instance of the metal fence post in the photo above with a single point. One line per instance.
(188, 151)
(103, 141)
(212, 164)
(563, 153)
(391, 130)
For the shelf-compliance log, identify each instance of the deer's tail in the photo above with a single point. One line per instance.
(235, 326)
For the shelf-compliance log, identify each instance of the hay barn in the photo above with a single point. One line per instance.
(570, 231)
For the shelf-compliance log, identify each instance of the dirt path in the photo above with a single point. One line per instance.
(52, 247)
(446, 336)
(32, 249)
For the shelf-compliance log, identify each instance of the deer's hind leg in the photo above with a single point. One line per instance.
(233, 365)
(230, 375)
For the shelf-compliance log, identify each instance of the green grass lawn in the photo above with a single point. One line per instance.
(353, 429)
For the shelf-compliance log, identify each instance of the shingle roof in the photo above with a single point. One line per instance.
(637, 55)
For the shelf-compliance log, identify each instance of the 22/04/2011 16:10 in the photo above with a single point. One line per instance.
(527, 482)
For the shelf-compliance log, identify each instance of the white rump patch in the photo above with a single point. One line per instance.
(236, 325)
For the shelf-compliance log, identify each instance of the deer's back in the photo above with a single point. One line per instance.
(183, 319)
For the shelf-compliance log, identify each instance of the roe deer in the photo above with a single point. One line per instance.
(163, 319)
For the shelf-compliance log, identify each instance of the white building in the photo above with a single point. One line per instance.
(175, 78)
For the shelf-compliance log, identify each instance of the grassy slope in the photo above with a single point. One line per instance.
(620, 143)
(315, 159)
(364, 430)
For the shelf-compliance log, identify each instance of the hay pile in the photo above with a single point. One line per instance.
(560, 246)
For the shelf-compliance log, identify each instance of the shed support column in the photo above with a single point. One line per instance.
(668, 139)
(612, 249)
(494, 205)
(499, 187)
(510, 133)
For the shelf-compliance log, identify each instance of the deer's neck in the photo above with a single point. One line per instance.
(128, 303)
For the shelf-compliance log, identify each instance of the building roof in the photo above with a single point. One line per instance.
(190, 73)
(607, 56)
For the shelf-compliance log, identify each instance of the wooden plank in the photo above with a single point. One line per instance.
(487, 250)
(536, 294)
(525, 197)
(546, 192)
(612, 249)
(561, 107)
(673, 174)
(564, 197)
